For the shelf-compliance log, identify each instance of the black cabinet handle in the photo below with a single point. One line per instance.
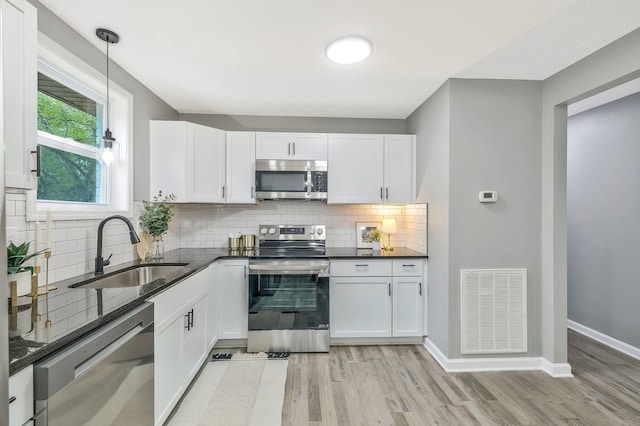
(188, 326)
(223, 191)
(12, 399)
(362, 265)
(389, 289)
(387, 190)
(381, 197)
(245, 271)
(408, 266)
(420, 287)
(252, 192)
(191, 318)
(37, 169)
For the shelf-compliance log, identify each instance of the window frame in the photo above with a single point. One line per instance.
(58, 63)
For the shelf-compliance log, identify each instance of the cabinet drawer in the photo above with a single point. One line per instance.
(21, 387)
(407, 267)
(360, 268)
(174, 299)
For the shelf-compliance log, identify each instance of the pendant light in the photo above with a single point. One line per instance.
(107, 140)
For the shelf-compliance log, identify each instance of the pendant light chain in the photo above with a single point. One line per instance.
(107, 106)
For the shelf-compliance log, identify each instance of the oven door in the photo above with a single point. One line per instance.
(289, 295)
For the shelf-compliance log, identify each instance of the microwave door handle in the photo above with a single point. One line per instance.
(309, 184)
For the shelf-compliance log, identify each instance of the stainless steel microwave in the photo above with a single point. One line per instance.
(291, 180)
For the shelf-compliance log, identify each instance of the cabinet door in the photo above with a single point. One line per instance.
(20, 91)
(169, 379)
(205, 164)
(233, 299)
(241, 167)
(195, 337)
(407, 306)
(273, 146)
(356, 169)
(291, 146)
(212, 306)
(399, 169)
(168, 158)
(309, 146)
(360, 307)
(21, 388)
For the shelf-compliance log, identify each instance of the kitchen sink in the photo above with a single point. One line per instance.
(138, 275)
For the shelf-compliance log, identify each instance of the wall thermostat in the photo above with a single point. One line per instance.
(488, 196)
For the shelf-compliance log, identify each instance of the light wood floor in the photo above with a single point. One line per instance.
(403, 385)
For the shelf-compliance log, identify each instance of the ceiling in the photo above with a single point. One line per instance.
(256, 57)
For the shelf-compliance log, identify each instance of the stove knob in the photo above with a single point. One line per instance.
(319, 231)
(312, 230)
(272, 231)
(263, 231)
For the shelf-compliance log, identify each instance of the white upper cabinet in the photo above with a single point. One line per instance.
(206, 161)
(20, 91)
(241, 168)
(371, 169)
(355, 168)
(291, 146)
(188, 160)
(399, 169)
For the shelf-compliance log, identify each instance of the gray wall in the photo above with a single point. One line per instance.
(603, 230)
(616, 63)
(495, 145)
(430, 123)
(298, 124)
(146, 104)
(475, 135)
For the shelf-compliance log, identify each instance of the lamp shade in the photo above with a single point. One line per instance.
(389, 226)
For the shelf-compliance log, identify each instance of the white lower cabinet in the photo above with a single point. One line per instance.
(376, 298)
(212, 307)
(180, 342)
(233, 299)
(360, 306)
(21, 397)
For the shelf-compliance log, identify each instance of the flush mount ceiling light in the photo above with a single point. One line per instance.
(107, 140)
(348, 50)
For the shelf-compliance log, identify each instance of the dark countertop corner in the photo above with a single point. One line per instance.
(357, 253)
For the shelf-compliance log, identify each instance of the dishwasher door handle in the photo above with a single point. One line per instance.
(104, 353)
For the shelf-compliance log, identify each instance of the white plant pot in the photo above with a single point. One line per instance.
(376, 245)
(24, 282)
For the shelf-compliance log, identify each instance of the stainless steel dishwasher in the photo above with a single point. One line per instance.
(104, 378)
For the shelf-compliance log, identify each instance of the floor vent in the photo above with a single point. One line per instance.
(493, 311)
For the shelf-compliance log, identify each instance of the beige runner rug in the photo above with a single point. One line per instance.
(235, 393)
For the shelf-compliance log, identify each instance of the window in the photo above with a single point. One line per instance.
(69, 129)
(72, 107)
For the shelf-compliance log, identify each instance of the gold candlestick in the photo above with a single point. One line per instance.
(47, 255)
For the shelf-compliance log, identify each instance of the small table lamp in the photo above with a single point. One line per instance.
(389, 227)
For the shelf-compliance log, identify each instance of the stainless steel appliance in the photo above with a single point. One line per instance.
(291, 179)
(104, 378)
(289, 290)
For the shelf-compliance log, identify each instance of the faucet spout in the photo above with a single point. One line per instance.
(100, 262)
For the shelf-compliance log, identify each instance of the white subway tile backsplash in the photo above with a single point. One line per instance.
(201, 225)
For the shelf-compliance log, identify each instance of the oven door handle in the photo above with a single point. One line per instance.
(284, 268)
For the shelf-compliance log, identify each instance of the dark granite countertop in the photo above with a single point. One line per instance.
(74, 312)
(356, 253)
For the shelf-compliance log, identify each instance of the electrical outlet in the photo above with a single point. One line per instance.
(12, 234)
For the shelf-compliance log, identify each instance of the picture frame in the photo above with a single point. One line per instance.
(363, 229)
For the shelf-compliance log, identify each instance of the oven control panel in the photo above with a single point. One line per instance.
(293, 232)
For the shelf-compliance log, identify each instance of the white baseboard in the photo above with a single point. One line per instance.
(463, 365)
(616, 344)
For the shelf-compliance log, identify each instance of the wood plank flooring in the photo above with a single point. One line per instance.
(403, 385)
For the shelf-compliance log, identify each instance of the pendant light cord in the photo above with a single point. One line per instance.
(107, 106)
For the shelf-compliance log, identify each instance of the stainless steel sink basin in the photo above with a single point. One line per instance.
(138, 275)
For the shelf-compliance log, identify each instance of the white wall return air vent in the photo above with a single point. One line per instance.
(493, 311)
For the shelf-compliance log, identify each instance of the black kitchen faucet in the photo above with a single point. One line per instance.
(100, 262)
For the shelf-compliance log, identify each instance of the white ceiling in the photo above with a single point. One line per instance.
(256, 57)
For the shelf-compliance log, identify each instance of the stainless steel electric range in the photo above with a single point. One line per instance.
(289, 290)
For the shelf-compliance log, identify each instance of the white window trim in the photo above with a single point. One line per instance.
(55, 56)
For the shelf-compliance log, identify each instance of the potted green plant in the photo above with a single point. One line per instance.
(376, 239)
(17, 271)
(155, 220)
